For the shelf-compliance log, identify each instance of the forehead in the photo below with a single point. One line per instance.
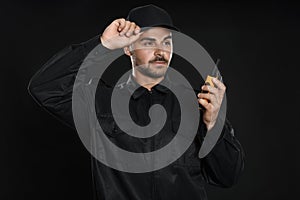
(156, 33)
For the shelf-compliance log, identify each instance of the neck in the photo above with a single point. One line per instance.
(146, 81)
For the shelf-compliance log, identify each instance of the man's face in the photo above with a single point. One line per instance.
(152, 52)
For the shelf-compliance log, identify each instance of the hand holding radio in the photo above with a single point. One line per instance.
(211, 96)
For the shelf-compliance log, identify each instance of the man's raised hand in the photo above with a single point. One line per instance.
(120, 33)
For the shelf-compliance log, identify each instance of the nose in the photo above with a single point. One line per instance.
(159, 52)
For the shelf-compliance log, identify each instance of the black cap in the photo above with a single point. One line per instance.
(151, 16)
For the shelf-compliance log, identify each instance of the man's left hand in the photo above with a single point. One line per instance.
(211, 101)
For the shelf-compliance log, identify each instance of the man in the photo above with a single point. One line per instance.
(146, 37)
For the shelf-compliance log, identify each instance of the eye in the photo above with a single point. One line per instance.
(149, 44)
(167, 43)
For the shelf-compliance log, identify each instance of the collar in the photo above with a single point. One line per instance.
(137, 90)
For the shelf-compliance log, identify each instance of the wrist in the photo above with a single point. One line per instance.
(210, 125)
(104, 42)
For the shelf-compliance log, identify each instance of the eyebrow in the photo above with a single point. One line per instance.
(153, 39)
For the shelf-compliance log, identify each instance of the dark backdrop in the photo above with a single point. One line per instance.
(258, 45)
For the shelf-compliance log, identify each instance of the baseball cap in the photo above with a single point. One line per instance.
(151, 16)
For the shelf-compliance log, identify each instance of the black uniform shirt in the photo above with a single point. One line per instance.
(52, 88)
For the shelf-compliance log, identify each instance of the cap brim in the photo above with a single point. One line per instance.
(161, 25)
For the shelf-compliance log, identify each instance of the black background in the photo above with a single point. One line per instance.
(259, 49)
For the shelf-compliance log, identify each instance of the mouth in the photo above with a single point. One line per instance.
(159, 62)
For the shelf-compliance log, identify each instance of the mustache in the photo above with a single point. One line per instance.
(161, 59)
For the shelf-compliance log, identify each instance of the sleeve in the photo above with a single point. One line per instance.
(224, 164)
(51, 86)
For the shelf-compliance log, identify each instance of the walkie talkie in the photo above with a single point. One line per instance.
(208, 81)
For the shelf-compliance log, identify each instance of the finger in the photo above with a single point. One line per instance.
(218, 94)
(211, 98)
(131, 29)
(120, 23)
(206, 96)
(125, 28)
(219, 84)
(210, 89)
(137, 30)
(135, 37)
(204, 103)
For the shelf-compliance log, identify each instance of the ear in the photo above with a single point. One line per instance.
(127, 51)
